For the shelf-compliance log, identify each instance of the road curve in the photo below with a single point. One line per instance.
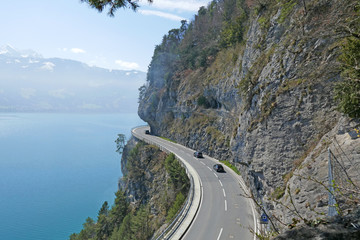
(222, 212)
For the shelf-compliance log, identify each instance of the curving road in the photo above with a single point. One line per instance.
(223, 213)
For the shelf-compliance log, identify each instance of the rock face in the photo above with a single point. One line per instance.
(266, 105)
(146, 182)
(338, 228)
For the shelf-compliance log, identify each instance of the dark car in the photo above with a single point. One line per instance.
(218, 168)
(147, 132)
(198, 154)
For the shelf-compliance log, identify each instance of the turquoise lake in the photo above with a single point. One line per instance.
(56, 170)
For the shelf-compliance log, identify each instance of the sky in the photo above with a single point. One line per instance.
(73, 30)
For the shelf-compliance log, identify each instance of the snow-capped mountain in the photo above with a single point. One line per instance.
(29, 82)
(11, 52)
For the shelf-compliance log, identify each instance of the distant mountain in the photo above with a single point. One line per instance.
(29, 82)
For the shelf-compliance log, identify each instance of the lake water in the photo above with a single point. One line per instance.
(56, 170)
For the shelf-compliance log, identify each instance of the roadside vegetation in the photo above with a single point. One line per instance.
(227, 163)
(168, 139)
(347, 92)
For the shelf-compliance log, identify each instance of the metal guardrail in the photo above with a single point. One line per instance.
(179, 218)
(176, 222)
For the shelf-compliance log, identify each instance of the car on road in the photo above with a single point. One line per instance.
(198, 154)
(218, 168)
(147, 131)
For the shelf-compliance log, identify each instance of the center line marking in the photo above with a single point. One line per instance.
(220, 233)
(220, 183)
(225, 205)
(224, 192)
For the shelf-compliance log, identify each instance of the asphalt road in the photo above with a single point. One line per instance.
(224, 213)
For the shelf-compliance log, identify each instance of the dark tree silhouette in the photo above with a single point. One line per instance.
(113, 5)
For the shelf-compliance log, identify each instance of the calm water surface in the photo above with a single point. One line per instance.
(56, 170)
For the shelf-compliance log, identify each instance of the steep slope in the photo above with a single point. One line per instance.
(255, 87)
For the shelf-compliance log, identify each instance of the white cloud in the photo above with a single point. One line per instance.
(2, 91)
(33, 61)
(182, 5)
(48, 66)
(161, 14)
(27, 93)
(127, 65)
(77, 50)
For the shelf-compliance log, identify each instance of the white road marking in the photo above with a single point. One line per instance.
(215, 175)
(225, 205)
(220, 233)
(224, 193)
(209, 168)
(220, 183)
(201, 201)
(203, 163)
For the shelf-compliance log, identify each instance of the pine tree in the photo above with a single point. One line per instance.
(100, 5)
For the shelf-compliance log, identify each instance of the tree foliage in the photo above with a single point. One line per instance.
(347, 92)
(120, 143)
(177, 173)
(113, 5)
(180, 199)
(88, 231)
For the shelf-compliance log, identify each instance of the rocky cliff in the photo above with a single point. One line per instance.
(256, 88)
(154, 179)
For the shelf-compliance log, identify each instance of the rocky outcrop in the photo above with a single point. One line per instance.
(336, 228)
(146, 181)
(266, 104)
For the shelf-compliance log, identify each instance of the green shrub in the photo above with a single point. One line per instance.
(347, 92)
(227, 163)
(278, 193)
(180, 199)
(286, 8)
(177, 173)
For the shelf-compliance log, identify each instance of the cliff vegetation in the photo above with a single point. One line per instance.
(153, 189)
(271, 86)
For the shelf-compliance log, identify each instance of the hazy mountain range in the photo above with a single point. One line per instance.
(31, 83)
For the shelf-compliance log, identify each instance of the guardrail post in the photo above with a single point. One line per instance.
(332, 202)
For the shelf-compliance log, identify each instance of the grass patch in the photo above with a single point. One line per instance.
(286, 8)
(168, 139)
(278, 193)
(227, 163)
